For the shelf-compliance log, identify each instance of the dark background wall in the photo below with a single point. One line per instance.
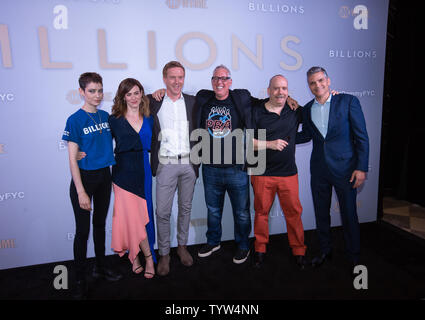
(403, 133)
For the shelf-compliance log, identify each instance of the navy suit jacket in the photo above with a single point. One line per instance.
(346, 145)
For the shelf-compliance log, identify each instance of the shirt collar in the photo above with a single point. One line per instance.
(327, 101)
(166, 97)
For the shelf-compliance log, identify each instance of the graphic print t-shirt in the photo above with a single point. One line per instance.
(220, 118)
(84, 131)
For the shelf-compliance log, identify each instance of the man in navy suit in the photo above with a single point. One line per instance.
(339, 159)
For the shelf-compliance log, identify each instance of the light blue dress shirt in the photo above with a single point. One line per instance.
(320, 115)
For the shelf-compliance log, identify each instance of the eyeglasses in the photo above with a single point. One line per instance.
(220, 78)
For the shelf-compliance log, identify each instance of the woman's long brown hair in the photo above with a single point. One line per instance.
(120, 106)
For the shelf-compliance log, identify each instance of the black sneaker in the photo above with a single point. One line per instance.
(207, 249)
(241, 256)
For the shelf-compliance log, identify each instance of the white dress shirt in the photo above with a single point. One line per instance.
(174, 128)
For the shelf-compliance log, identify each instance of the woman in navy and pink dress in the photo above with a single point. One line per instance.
(133, 222)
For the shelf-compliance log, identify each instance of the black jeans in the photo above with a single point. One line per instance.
(97, 184)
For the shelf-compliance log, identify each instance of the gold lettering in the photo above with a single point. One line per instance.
(103, 56)
(44, 51)
(5, 46)
(238, 44)
(196, 35)
(152, 49)
(292, 53)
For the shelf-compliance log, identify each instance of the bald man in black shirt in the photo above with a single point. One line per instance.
(281, 175)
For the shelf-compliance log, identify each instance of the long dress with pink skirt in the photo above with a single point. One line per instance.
(133, 219)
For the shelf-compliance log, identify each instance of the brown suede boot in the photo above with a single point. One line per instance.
(185, 257)
(164, 265)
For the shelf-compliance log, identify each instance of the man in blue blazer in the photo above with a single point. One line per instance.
(339, 159)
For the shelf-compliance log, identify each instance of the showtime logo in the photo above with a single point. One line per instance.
(196, 4)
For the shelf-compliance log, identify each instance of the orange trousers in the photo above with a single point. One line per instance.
(265, 189)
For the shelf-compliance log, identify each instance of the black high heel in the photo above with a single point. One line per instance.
(147, 274)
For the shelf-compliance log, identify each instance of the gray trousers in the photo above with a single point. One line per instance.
(170, 177)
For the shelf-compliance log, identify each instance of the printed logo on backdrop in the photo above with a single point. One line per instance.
(11, 196)
(276, 213)
(275, 8)
(7, 97)
(61, 18)
(353, 54)
(361, 93)
(71, 235)
(8, 244)
(201, 222)
(2, 151)
(359, 13)
(63, 145)
(194, 4)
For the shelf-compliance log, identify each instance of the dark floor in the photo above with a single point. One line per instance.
(394, 259)
(407, 216)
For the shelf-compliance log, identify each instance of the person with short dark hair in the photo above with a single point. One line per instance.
(88, 130)
(339, 160)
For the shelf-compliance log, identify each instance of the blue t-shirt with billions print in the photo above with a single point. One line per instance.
(92, 134)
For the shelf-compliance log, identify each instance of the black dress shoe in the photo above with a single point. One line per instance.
(105, 273)
(80, 291)
(319, 260)
(301, 262)
(258, 259)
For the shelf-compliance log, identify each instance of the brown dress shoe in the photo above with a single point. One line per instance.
(185, 257)
(164, 265)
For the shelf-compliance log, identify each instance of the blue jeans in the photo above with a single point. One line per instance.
(236, 182)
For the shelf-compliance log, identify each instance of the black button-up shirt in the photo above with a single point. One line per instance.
(283, 126)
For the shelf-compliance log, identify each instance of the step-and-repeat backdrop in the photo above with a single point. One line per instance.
(45, 46)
